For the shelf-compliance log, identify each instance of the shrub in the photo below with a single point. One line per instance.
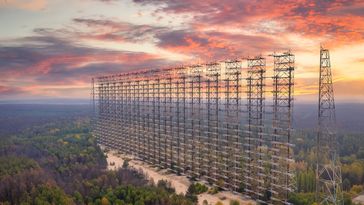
(220, 183)
(166, 185)
(125, 163)
(213, 190)
(234, 202)
(356, 189)
(198, 188)
(195, 189)
(222, 197)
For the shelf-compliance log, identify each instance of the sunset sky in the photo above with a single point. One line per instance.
(51, 48)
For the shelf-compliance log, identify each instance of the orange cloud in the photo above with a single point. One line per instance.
(348, 88)
(340, 22)
(33, 5)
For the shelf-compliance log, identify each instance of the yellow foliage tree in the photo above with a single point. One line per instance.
(219, 203)
(105, 201)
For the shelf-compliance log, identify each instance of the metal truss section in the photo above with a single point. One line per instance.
(233, 141)
(212, 167)
(281, 148)
(205, 121)
(328, 169)
(256, 137)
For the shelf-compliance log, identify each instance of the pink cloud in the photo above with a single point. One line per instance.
(305, 17)
(73, 62)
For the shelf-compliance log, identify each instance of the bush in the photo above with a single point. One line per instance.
(213, 190)
(222, 198)
(220, 183)
(193, 198)
(125, 163)
(194, 190)
(356, 189)
(347, 199)
(302, 198)
(197, 188)
(234, 202)
(166, 185)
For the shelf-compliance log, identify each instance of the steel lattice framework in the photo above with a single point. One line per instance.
(281, 147)
(256, 139)
(328, 171)
(211, 122)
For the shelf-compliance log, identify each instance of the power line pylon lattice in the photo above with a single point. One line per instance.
(328, 170)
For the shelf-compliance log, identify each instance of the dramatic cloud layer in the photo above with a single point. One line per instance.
(50, 59)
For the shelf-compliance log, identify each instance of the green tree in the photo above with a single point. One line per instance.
(125, 163)
(45, 195)
(234, 202)
(78, 197)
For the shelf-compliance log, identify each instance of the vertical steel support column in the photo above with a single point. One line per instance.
(176, 112)
(112, 113)
(107, 113)
(190, 126)
(178, 136)
(118, 96)
(155, 122)
(282, 148)
(213, 71)
(148, 143)
(164, 122)
(122, 116)
(143, 116)
(184, 115)
(196, 121)
(169, 121)
(128, 133)
(160, 120)
(257, 145)
(134, 119)
(93, 114)
(232, 72)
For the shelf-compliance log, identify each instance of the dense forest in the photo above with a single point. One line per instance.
(58, 162)
(351, 150)
(48, 156)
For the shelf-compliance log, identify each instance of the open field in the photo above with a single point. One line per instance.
(359, 199)
(180, 183)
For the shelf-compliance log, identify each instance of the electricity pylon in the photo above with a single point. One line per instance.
(328, 170)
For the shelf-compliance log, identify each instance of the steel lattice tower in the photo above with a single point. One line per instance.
(196, 121)
(328, 171)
